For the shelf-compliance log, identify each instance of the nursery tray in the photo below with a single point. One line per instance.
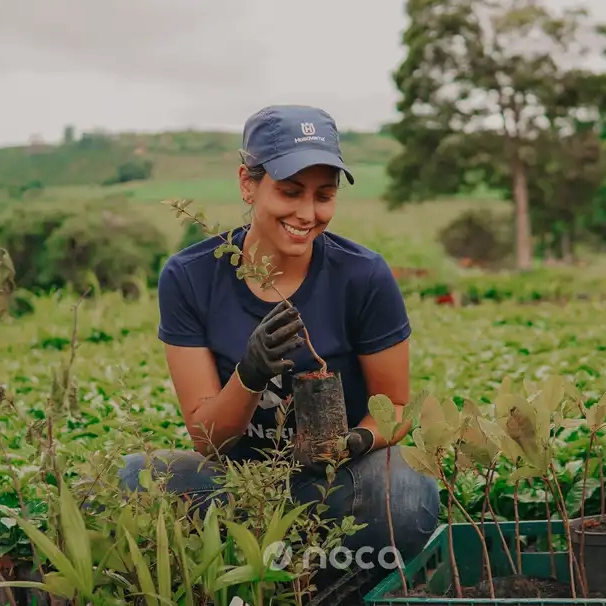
(431, 569)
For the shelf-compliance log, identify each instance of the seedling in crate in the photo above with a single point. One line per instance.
(383, 412)
(594, 420)
(531, 422)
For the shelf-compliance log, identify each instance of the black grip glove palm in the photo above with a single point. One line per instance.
(274, 337)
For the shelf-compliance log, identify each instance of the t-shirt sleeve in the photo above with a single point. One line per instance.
(180, 322)
(383, 320)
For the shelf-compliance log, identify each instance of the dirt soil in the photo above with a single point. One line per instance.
(317, 374)
(504, 588)
(595, 526)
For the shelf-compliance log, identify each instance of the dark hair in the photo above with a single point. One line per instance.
(256, 173)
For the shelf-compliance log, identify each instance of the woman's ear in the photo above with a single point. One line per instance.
(247, 185)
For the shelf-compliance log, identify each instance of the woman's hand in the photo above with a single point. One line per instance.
(274, 337)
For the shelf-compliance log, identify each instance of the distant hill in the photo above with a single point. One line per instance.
(94, 158)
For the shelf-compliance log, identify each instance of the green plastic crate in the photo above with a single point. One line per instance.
(432, 566)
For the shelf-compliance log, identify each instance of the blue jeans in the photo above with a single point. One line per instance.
(361, 493)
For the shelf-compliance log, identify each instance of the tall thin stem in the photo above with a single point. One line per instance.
(389, 519)
(478, 532)
(561, 510)
(602, 486)
(516, 514)
(550, 537)
(583, 496)
(494, 518)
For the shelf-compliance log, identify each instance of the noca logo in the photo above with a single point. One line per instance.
(278, 556)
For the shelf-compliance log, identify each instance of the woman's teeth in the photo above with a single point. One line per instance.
(294, 231)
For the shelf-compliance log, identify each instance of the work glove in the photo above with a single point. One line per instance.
(274, 337)
(358, 442)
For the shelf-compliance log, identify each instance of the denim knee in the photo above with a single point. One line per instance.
(188, 472)
(414, 503)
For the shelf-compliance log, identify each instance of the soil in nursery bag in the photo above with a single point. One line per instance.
(505, 588)
(595, 526)
(320, 414)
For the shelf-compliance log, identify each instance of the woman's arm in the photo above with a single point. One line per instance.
(383, 346)
(224, 413)
(387, 373)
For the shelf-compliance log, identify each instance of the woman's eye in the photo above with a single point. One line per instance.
(291, 194)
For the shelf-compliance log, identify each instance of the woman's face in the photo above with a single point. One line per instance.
(289, 214)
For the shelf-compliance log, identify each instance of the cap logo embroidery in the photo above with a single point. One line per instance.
(308, 128)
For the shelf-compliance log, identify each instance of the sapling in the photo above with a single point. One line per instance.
(529, 422)
(262, 272)
(383, 412)
(308, 387)
(441, 430)
(595, 419)
(482, 443)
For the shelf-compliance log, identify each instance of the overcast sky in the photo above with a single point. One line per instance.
(168, 64)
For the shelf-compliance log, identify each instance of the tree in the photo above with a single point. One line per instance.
(480, 83)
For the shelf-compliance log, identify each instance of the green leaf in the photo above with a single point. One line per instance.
(383, 412)
(163, 558)
(234, 259)
(178, 537)
(237, 576)
(76, 538)
(146, 583)
(574, 498)
(52, 589)
(279, 525)
(248, 544)
(523, 473)
(420, 461)
(51, 551)
(59, 585)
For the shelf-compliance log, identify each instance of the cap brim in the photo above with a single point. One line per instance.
(288, 165)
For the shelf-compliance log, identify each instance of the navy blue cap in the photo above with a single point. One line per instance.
(285, 139)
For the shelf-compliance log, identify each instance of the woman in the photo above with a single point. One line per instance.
(232, 347)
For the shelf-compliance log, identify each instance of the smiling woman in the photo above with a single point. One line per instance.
(232, 350)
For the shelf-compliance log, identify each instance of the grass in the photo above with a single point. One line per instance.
(455, 353)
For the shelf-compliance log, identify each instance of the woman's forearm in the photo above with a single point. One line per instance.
(224, 417)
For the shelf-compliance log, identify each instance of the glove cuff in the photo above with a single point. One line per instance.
(245, 382)
(368, 438)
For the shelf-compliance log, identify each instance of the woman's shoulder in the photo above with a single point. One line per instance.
(346, 254)
(195, 264)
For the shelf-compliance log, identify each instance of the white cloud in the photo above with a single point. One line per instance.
(153, 64)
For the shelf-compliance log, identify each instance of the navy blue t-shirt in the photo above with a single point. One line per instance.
(349, 302)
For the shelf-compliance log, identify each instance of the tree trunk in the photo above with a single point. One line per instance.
(566, 244)
(523, 234)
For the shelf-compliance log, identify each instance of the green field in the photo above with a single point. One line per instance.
(458, 353)
(527, 327)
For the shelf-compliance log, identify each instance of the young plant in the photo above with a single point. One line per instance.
(530, 423)
(262, 272)
(321, 414)
(440, 434)
(595, 420)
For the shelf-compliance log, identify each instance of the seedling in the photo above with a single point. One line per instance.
(520, 428)
(318, 396)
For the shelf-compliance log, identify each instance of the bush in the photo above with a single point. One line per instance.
(55, 247)
(24, 235)
(135, 170)
(482, 236)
